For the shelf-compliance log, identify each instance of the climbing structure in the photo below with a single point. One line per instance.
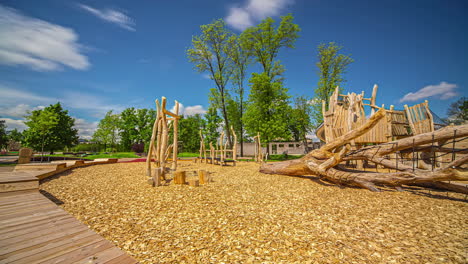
(160, 148)
(219, 154)
(394, 141)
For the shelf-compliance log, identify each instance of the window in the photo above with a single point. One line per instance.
(291, 145)
(281, 145)
(298, 145)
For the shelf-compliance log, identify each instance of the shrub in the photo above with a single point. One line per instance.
(138, 148)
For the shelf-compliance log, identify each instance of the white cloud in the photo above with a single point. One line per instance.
(254, 10)
(193, 110)
(14, 123)
(239, 18)
(112, 16)
(18, 110)
(443, 90)
(85, 129)
(12, 95)
(38, 44)
(189, 110)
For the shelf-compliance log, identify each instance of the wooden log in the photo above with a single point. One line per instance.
(153, 137)
(158, 177)
(202, 176)
(194, 183)
(179, 177)
(176, 133)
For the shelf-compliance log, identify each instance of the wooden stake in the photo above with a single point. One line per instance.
(176, 133)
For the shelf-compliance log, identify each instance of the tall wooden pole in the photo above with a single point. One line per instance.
(176, 133)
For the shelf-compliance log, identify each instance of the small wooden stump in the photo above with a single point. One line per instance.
(202, 176)
(179, 177)
(158, 176)
(194, 183)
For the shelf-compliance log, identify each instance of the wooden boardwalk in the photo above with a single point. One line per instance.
(33, 229)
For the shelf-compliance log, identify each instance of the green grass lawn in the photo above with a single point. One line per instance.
(11, 153)
(187, 155)
(116, 155)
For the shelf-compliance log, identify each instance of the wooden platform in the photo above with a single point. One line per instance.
(33, 229)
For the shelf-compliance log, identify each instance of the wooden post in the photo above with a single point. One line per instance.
(153, 137)
(179, 177)
(157, 177)
(175, 146)
(374, 95)
(202, 176)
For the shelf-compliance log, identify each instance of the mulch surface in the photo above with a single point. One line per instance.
(244, 216)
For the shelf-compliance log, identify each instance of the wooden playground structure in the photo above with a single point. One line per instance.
(403, 144)
(160, 149)
(218, 154)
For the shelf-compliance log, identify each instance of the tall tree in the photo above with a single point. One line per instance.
(264, 42)
(3, 135)
(135, 126)
(213, 122)
(50, 129)
(210, 52)
(127, 131)
(300, 124)
(267, 109)
(458, 111)
(332, 65)
(240, 58)
(107, 130)
(15, 138)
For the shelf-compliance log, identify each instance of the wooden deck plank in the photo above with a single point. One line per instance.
(80, 253)
(33, 229)
(40, 232)
(35, 224)
(55, 249)
(103, 256)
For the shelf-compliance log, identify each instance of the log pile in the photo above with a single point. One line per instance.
(326, 162)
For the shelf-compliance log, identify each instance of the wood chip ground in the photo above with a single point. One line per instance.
(244, 216)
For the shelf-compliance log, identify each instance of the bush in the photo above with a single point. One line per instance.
(86, 147)
(138, 147)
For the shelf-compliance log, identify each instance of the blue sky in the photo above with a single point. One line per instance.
(94, 56)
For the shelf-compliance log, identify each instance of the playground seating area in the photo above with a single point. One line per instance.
(247, 216)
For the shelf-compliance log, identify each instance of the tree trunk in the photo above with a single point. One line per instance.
(325, 162)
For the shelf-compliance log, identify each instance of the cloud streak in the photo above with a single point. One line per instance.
(443, 90)
(37, 44)
(254, 10)
(112, 16)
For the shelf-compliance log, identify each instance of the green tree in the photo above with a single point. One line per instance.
(189, 128)
(107, 130)
(127, 131)
(213, 122)
(3, 135)
(300, 123)
(267, 109)
(15, 135)
(264, 42)
(50, 129)
(210, 52)
(241, 59)
(332, 65)
(458, 111)
(135, 126)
